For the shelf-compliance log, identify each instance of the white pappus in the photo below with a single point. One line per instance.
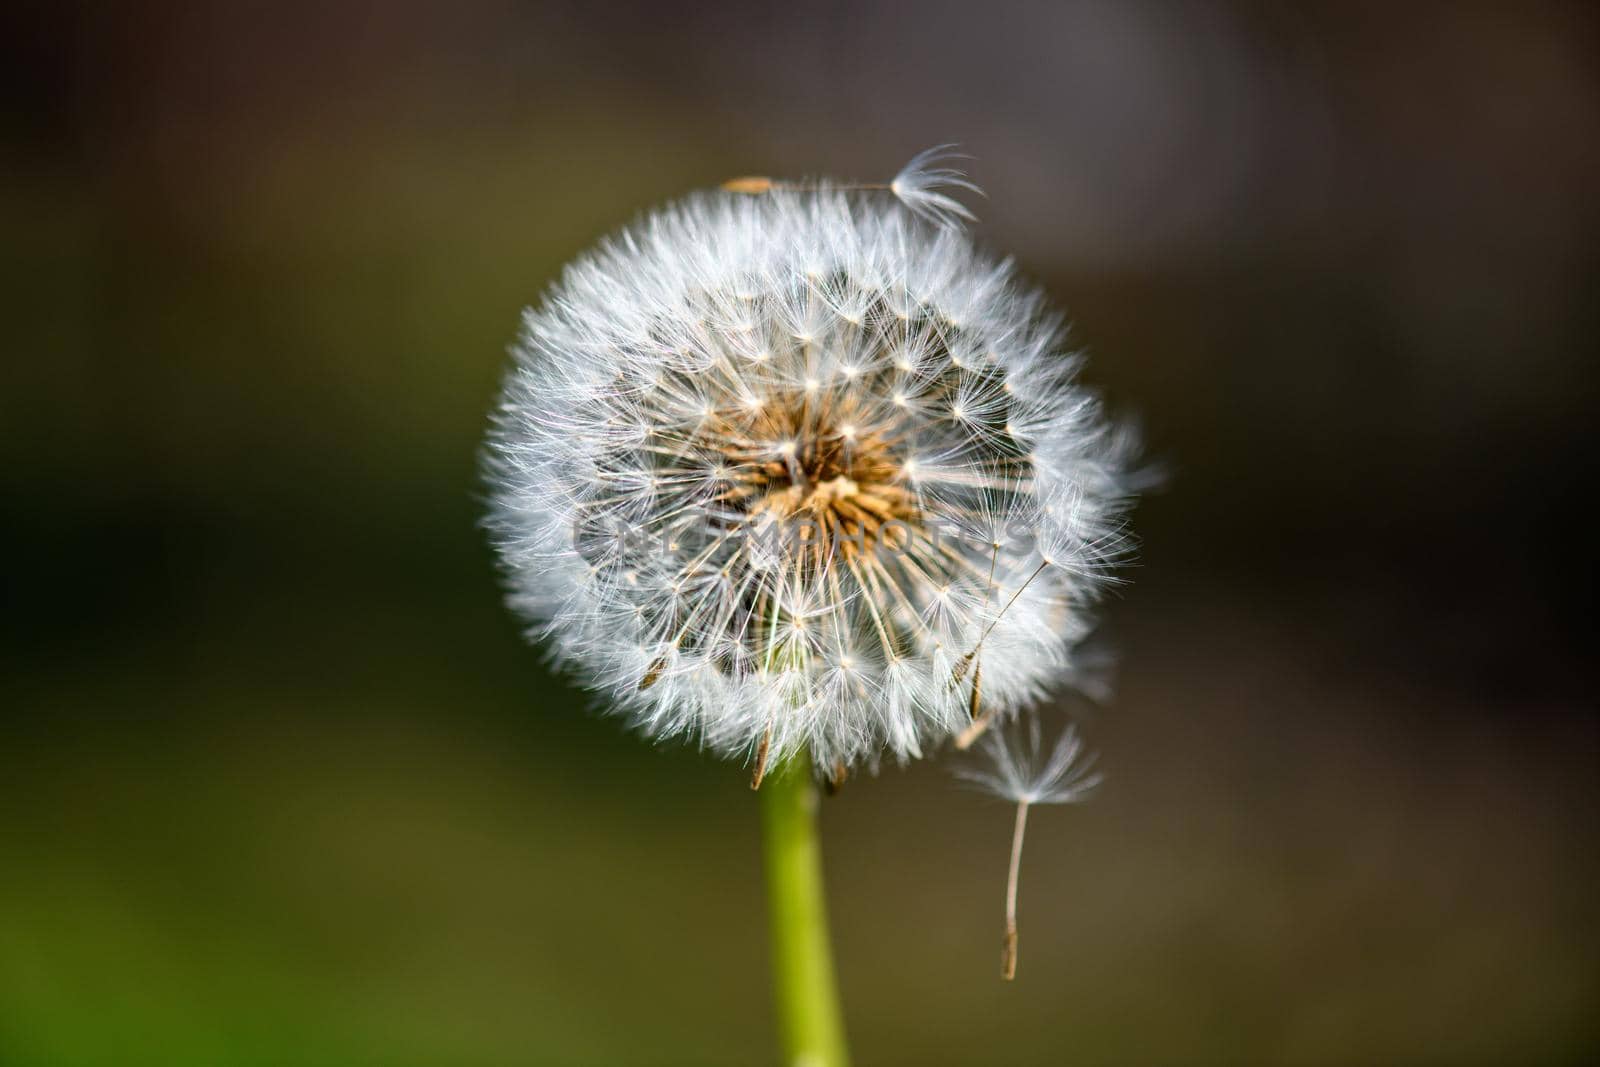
(777, 464)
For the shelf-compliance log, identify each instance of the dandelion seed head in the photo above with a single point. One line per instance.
(731, 443)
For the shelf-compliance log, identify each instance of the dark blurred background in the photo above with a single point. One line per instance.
(280, 784)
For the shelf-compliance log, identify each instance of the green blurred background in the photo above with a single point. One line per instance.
(280, 784)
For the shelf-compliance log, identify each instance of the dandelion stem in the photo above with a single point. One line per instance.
(802, 961)
(1008, 954)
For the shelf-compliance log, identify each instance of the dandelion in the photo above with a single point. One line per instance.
(778, 468)
(769, 468)
(1020, 770)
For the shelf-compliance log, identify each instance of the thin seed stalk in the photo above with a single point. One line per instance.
(1008, 952)
(807, 998)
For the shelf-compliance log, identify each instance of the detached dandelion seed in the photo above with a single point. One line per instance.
(924, 186)
(1018, 769)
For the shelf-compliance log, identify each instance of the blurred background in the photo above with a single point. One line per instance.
(280, 783)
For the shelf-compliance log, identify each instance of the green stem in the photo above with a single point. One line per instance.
(802, 963)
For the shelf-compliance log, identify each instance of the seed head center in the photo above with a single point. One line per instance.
(837, 486)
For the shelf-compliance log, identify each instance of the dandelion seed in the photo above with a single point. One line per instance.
(1018, 769)
(921, 186)
(731, 439)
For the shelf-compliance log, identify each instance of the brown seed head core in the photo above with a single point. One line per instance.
(839, 485)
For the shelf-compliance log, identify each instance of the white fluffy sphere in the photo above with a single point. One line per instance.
(793, 471)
